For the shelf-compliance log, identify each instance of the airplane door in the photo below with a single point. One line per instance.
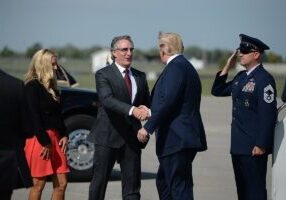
(279, 157)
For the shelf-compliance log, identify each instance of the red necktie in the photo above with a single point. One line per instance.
(128, 82)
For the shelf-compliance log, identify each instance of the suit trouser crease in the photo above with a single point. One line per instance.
(174, 179)
(250, 176)
(130, 166)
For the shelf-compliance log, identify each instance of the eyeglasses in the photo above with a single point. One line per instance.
(125, 50)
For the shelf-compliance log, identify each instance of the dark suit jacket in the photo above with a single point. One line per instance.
(113, 126)
(44, 112)
(176, 109)
(13, 166)
(254, 110)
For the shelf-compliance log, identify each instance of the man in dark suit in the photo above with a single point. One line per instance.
(175, 114)
(254, 116)
(14, 171)
(121, 90)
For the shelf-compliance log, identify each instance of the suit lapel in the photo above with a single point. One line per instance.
(165, 68)
(138, 83)
(136, 78)
(258, 68)
(250, 76)
(119, 82)
(238, 83)
(154, 87)
(243, 80)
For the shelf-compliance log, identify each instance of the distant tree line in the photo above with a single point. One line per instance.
(216, 56)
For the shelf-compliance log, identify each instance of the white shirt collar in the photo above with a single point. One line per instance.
(133, 82)
(172, 57)
(252, 69)
(122, 69)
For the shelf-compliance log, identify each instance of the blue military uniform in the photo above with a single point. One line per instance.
(254, 116)
(254, 109)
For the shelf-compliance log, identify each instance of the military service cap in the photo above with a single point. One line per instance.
(250, 44)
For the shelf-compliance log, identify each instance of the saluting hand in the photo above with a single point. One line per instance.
(230, 63)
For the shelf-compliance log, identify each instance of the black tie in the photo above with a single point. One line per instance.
(128, 82)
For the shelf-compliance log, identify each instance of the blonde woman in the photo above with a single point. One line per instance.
(45, 151)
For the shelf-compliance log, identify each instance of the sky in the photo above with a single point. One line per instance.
(208, 24)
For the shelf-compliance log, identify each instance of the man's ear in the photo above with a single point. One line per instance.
(163, 52)
(257, 55)
(113, 55)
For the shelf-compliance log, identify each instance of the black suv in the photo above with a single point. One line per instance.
(79, 111)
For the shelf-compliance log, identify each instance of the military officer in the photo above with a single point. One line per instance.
(254, 115)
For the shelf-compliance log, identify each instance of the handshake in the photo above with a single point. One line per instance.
(141, 112)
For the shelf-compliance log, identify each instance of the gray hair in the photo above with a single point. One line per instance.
(113, 45)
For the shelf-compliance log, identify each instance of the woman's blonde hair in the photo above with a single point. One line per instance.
(171, 43)
(41, 68)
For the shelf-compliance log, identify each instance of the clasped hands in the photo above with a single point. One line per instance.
(141, 112)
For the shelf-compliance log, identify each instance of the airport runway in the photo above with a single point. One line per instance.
(212, 169)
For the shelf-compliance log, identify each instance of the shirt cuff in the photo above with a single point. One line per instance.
(131, 110)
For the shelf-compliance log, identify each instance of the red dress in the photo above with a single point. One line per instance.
(56, 164)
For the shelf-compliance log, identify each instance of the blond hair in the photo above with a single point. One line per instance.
(41, 68)
(171, 43)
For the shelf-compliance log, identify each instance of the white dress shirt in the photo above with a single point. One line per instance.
(133, 83)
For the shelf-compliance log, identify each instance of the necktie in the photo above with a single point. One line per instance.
(128, 82)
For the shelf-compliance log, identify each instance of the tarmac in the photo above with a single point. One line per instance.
(212, 169)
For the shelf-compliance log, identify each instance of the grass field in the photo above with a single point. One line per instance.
(81, 70)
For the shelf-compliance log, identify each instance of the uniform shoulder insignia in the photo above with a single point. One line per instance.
(268, 94)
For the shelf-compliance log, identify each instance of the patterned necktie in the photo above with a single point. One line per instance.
(128, 82)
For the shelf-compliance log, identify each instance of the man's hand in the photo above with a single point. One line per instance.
(142, 135)
(230, 63)
(144, 107)
(141, 112)
(257, 151)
